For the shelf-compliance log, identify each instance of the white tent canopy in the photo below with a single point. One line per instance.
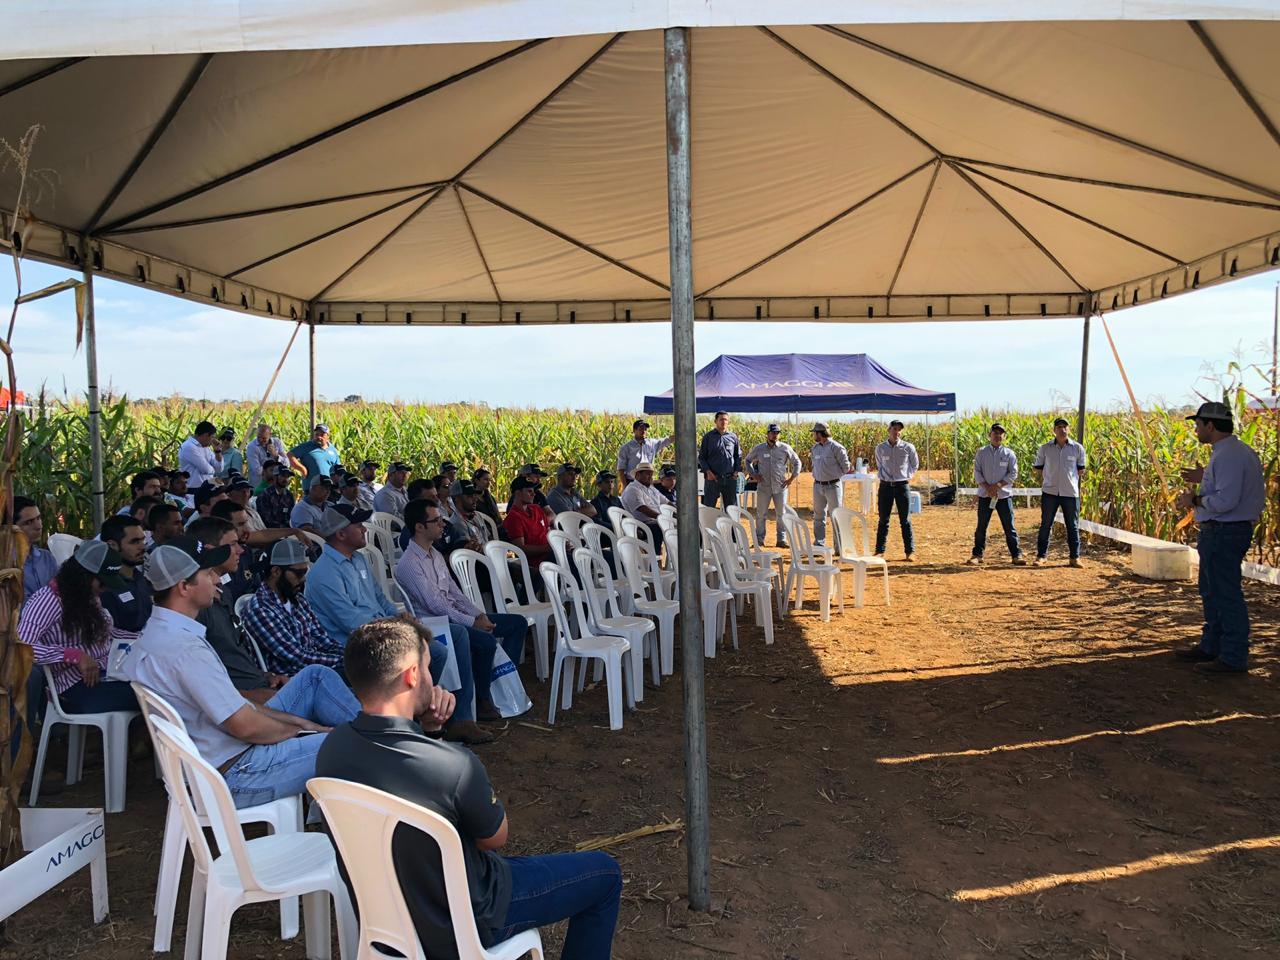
(288, 157)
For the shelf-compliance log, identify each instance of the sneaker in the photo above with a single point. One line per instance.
(880, 554)
(1039, 562)
(911, 558)
(468, 732)
(1216, 668)
(974, 562)
(1019, 561)
(819, 543)
(1193, 654)
(781, 543)
(1076, 562)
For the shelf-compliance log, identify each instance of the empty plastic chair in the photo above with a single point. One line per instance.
(572, 522)
(763, 557)
(740, 583)
(115, 746)
(716, 603)
(853, 547)
(747, 565)
(247, 871)
(586, 645)
(807, 561)
(506, 599)
(633, 564)
(466, 566)
(363, 822)
(604, 613)
(615, 520)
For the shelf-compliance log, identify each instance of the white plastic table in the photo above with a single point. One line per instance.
(865, 489)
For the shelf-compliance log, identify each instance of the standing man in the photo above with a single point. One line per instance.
(1231, 498)
(199, 456)
(896, 463)
(564, 495)
(720, 460)
(1060, 464)
(262, 448)
(774, 466)
(639, 449)
(393, 497)
(317, 457)
(995, 468)
(829, 461)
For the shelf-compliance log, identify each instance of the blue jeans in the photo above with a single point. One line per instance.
(1049, 504)
(475, 651)
(889, 495)
(269, 771)
(1004, 509)
(583, 888)
(1222, 548)
(722, 488)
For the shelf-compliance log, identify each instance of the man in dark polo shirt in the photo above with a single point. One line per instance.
(384, 747)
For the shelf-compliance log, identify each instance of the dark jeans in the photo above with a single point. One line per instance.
(1004, 508)
(722, 488)
(103, 697)
(509, 630)
(1222, 548)
(1049, 504)
(583, 888)
(888, 496)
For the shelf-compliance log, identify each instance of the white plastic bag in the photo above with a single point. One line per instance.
(439, 627)
(505, 688)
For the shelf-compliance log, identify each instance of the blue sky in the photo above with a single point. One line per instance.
(150, 345)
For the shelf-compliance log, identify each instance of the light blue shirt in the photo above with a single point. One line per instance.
(318, 460)
(344, 594)
(1062, 466)
(39, 569)
(828, 461)
(1232, 489)
(896, 462)
(773, 464)
(997, 465)
(305, 514)
(232, 459)
(634, 452)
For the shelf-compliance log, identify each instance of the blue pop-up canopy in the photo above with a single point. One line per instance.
(800, 382)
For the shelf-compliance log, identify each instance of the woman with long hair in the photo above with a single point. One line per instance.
(70, 632)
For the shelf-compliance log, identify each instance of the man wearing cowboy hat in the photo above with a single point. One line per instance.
(1230, 501)
(829, 461)
(774, 466)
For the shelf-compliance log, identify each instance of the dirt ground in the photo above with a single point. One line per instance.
(1004, 763)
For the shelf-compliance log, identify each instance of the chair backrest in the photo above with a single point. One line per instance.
(242, 604)
(790, 511)
(736, 539)
(466, 566)
(598, 538)
(721, 557)
(386, 520)
(363, 822)
(615, 518)
(798, 538)
(560, 583)
(498, 551)
(741, 515)
(597, 585)
(852, 535)
(562, 548)
(489, 525)
(707, 516)
(571, 522)
(377, 566)
(386, 543)
(62, 546)
(667, 510)
(153, 705)
(667, 523)
(630, 556)
(186, 772)
(313, 537)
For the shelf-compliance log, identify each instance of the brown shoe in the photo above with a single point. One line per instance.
(1216, 668)
(911, 558)
(1075, 562)
(468, 732)
(974, 562)
(486, 712)
(1019, 561)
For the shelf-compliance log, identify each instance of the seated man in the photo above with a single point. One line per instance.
(384, 748)
(642, 500)
(144, 484)
(207, 495)
(369, 486)
(425, 577)
(275, 503)
(165, 521)
(39, 567)
(423, 488)
(533, 473)
(667, 484)
(307, 512)
(280, 618)
(527, 525)
(128, 603)
(258, 748)
(604, 498)
(341, 588)
(178, 494)
(267, 478)
(564, 495)
(465, 528)
(393, 496)
(349, 491)
(239, 491)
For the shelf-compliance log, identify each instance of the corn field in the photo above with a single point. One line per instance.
(1122, 487)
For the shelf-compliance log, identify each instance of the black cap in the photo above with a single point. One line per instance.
(522, 483)
(568, 468)
(996, 428)
(227, 434)
(530, 469)
(1212, 411)
(173, 474)
(463, 488)
(239, 483)
(898, 423)
(603, 475)
(640, 423)
(478, 473)
(448, 466)
(1060, 422)
(206, 492)
(670, 472)
(398, 465)
(370, 463)
(349, 480)
(323, 481)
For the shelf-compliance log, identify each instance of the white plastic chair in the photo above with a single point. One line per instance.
(489, 525)
(750, 565)
(62, 546)
(363, 823)
(572, 522)
(390, 587)
(808, 561)
(598, 538)
(615, 520)
(280, 816)
(247, 871)
(585, 646)
(466, 566)
(633, 565)
(387, 544)
(716, 603)
(563, 547)
(389, 521)
(604, 612)
(115, 745)
(740, 583)
(507, 600)
(707, 516)
(741, 515)
(853, 547)
(667, 510)
(313, 537)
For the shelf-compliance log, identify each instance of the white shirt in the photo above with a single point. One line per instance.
(638, 495)
(198, 461)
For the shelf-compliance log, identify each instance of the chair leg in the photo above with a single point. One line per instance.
(566, 685)
(315, 918)
(614, 681)
(115, 761)
(75, 753)
(195, 915)
(635, 689)
(216, 928)
(540, 649)
(886, 584)
(37, 772)
(824, 597)
(555, 690)
(173, 850)
(766, 614)
(859, 583)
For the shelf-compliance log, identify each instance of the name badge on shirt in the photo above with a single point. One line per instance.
(225, 579)
(126, 597)
(364, 574)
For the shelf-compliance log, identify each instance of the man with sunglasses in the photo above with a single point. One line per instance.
(280, 618)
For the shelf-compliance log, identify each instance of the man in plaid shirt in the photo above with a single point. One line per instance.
(281, 620)
(275, 503)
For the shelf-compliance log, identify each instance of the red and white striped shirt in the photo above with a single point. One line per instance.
(40, 627)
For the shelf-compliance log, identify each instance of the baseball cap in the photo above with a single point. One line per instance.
(640, 423)
(180, 559)
(448, 466)
(239, 483)
(370, 463)
(103, 562)
(227, 434)
(670, 472)
(604, 475)
(522, 483)
(773, 428)
(1060, 422)
(320, 428)
(179, 473)
(821, 428)
(337, 517)
(398, 465)
(288, 553)
(996, 428)
(530, 469)
(567, 468)
(478, 473)
(897, 423)
(322, 481)
(463, 488)
(1212, 411)
(643, 465)
(206, 492)
(349, 480)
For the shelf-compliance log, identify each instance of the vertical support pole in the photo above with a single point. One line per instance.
(1275, 345)
(1084, 380)
(955, 451)
(97, 492)
(680, 227)
(311, 390)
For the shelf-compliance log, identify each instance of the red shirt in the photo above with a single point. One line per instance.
(529, 522)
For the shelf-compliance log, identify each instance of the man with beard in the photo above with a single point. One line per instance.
(280, 618)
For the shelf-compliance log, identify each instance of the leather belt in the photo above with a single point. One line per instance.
(232, 762)
(825, 483)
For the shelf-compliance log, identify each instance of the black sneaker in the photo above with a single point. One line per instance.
(1194, 655)
(1216, 668)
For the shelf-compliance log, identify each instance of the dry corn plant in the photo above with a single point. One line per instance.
(15, 657)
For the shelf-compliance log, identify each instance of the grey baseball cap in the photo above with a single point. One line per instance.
(288, 553)
(338, 517)
(773, 428)
(103, 562)
(821, 428)
(180, 559)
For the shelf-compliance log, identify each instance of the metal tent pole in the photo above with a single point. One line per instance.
(97, 493)
(955, 451)
(1084, 379)
(679, 222)
(311, 345)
